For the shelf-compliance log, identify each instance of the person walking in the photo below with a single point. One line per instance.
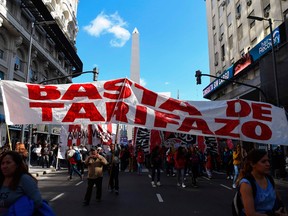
(140, 159)
(194, 163)
(94, 163)
(170, 162)
(236, 163)
(37, 151)
(208, 164)
(227, 159)
(45, 152)
(155, 161)
(266, 201)
(180, 162)
(113, 160)
(73, 163)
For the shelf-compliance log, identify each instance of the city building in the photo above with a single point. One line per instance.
(37, 43)
(240, 50)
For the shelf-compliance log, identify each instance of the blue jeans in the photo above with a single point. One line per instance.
(155, 171)
(180, 176)
(139, 168)
(236, 173)
(73, 169)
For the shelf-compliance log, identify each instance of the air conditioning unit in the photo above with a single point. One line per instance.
(249, 2)
(216, 63)
(16, 67)
(266, 14)
(213, 27)
(223, 3)
(238, 16)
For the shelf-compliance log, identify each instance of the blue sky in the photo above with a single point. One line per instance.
(173, 42)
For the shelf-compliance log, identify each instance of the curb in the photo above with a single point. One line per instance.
(281, 182)
(41, 172)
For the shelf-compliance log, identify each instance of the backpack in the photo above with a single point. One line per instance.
(77, 155)
(237, 204)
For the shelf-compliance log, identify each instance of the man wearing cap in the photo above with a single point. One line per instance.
(95, 163)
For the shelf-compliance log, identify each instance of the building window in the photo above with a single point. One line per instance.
(213, 22)
(253, 42)
(285, 14)
(216, 57)
(220, 10)
(240, 32)
(265, 3)
(238, 9)
(215, 39)
(229, 19)
(1, 75)
(230, 42)
(251, 21)
(223, 52)
(1, 54)
(212, 4)
(221, 30)
(2, 47)
(267, 10)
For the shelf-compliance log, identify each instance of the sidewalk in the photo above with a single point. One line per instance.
(37, 171)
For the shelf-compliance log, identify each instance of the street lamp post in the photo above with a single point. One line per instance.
(273, 55)
(95, 72)
(198, 75)
(28, 80)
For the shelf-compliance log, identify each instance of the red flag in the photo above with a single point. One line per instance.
(74, 129)
(105, 136)
(155, 138)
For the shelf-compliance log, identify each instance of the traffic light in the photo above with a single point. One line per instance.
(95, 74)
(198, 75)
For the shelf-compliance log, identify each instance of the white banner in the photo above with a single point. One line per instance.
(126, 102)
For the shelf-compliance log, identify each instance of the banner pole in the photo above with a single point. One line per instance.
(9, 140)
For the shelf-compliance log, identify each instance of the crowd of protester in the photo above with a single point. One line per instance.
(183, 163)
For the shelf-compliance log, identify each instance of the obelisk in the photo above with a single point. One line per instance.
(135, 58)
(134, 70)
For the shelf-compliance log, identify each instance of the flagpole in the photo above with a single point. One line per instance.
(8, 133)
(113, 154)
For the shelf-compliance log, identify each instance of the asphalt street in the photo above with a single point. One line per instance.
(138, 197)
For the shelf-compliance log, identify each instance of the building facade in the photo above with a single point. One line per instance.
(37, 43)
(239, 49)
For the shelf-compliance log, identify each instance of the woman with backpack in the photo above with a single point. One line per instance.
(256, 187)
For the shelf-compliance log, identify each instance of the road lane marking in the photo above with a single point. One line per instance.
(79, 183)
(206, 178)
(159, 198)
(226, 187)
(58, 196)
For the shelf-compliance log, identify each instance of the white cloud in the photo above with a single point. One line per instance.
(143, 82)
(109, 24)
(166, 83)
